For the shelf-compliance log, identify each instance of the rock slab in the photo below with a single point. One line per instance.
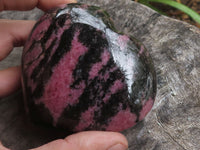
(174, 121)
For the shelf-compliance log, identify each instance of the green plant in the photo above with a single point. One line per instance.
(194, 15)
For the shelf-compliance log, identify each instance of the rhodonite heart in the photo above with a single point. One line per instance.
(79, 73)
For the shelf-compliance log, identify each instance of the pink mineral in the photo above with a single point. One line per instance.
(80, 74)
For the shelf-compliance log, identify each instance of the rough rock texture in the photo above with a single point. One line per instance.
(75, 66)
(174, 121)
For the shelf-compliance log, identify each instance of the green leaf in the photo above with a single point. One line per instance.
(145, 2)
(194, 15)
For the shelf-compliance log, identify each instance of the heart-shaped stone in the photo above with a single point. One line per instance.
(79, 73)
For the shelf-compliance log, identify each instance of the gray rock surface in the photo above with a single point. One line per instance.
(173, 123)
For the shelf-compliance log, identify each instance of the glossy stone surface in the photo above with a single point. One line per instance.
(80, 74)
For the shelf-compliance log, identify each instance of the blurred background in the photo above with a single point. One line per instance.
(173, 12)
